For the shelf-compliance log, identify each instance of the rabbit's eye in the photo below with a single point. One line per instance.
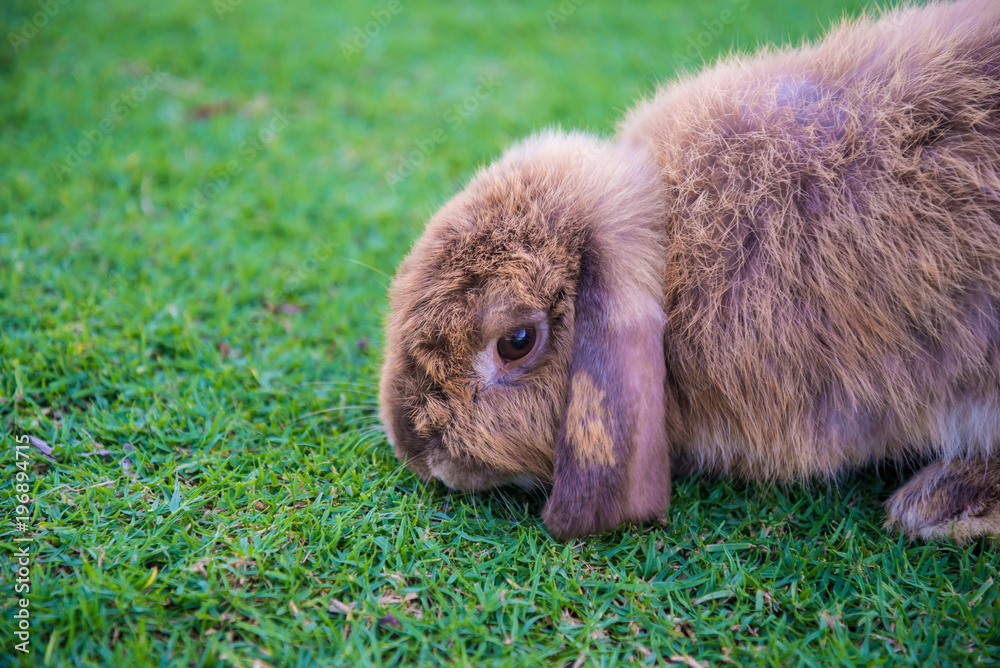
(517, 344)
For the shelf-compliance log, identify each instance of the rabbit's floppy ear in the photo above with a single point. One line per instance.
(612, 461)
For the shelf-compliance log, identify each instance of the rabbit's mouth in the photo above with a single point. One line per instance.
(429, 460)
(418, 460)
(447, 474)
(466, 475)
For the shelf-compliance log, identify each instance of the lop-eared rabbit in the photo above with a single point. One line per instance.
(784, 267)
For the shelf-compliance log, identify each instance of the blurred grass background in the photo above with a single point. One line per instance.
(200, 206)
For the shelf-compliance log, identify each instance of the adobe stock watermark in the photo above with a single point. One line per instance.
(20, 562)
(31, 25)
(120, 109)
(561, 12)
(694, 55)
(321, 251)
(363, 36)
(223, 7)
(452, 119)
(249, 150)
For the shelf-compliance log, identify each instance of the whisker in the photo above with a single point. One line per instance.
(499, 497)
(359, 447)
(403, 465)
(398, 469)
(359, 418)
(331, 410)
(509, 505)
(360, 399)
(355, 383)
(363, 436)
(359, 405)
(367, 390)
(475, 508)
(393, 477)
(368, 266)
(373, 429)
(345, 383)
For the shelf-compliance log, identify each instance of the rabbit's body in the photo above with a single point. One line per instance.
(833, 268)
(784, 267)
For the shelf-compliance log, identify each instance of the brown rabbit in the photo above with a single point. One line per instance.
(784, 267)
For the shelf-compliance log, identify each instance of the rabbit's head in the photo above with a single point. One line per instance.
(525, 339)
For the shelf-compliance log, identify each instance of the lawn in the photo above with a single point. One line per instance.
(201, 204)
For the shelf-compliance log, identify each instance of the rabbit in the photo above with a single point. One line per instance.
(782, 268)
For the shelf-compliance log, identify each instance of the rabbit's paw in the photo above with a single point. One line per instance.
(957, 499)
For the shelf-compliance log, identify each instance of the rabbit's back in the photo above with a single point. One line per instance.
(833, 276)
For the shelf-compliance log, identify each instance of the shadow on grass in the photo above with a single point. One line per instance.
(701, 506)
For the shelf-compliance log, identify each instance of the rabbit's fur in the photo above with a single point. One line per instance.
(786, 266)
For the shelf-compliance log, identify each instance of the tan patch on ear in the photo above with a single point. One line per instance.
(585, 423)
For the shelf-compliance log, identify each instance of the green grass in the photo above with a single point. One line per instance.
(193, 300)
